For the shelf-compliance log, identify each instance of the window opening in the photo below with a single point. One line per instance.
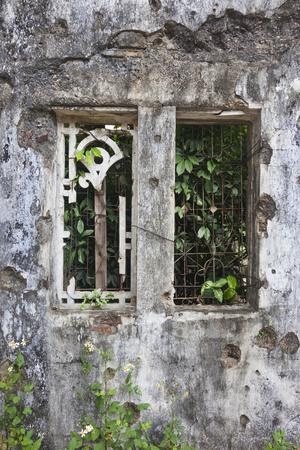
(211, 248)
(97, 249)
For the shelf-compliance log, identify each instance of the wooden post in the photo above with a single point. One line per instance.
(155, 180)
(100, 238)
(122, 238)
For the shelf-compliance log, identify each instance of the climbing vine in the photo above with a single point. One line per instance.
(16, 432)
(119, 425)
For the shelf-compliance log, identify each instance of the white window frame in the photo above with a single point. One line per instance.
(70, 298)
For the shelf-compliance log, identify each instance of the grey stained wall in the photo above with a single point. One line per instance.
(157, 55)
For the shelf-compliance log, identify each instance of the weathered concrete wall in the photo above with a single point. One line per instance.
(227, 54)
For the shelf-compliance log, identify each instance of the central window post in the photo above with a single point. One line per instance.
(155, 198)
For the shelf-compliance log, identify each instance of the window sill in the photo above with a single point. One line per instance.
(114, 308)
(214, 312)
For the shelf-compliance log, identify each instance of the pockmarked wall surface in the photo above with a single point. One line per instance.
(156, 55)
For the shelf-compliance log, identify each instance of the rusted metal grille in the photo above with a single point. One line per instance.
(210, 215)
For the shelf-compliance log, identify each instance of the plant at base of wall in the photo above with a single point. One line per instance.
(117, 425)
(95, 299)
(15, 434)
(216, 289)
(280, 443)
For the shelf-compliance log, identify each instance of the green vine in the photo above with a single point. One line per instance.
(15, 432)
(279, 442)
(118, 425)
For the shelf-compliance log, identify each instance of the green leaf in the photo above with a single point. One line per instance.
(202, 174)
(87, 233)
(143, 406)
(206, 286)
(81, 257)
(201, 232)
(210, 187)
(16, 421)
(180, 168)
(99, 446)
(194, 160)
(27, 411)
(188, 165)
(37, 444)
(96, 151)
(229, 293)
(178, 158)
(95, 434)
(79, 155)
(232, 282)
(27, 440)
(218, 293)
(3, 386)
(207, 234)
(75, 442)
(15, 399)
(20, 361)
(211, 166)
(220, 283)
(179, 211)
(204, 232)
(28, 387)
(80, 226)
(88, 158)
(11, 411)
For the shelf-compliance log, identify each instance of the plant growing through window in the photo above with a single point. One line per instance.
(211, 250)
(97, 214)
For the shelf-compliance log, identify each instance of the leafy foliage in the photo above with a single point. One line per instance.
(210, 212)
(95, 299)
(15, 434)
(216, 288)
(88, 155)
(77, 251)
(118, 426)
(279, 442)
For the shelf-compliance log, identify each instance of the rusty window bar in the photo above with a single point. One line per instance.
(210, 216)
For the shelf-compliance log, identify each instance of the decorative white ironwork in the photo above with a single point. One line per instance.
(97, 172)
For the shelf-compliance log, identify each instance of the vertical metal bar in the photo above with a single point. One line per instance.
(100, 238)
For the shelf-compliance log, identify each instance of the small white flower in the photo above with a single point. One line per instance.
(86, 430)
(13, 345)
(89, 347)
(10, 369)
(128, 368)
(23, 342)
